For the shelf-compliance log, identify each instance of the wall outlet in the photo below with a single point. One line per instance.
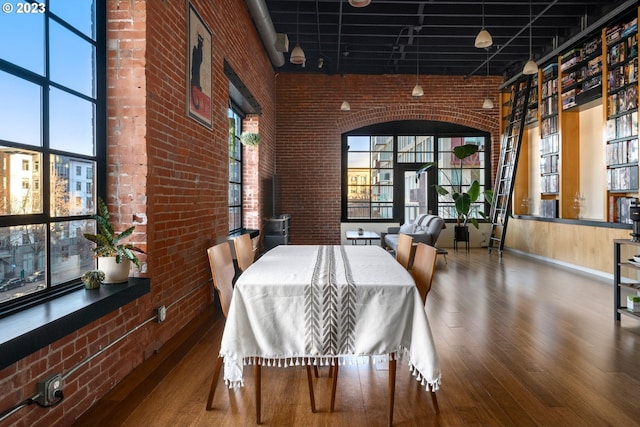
(161, 313)
(49, 390)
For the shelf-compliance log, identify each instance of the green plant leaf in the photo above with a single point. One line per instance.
(464, 151)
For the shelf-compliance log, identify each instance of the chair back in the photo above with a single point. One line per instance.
(244, 251)
(403, 252)
(424, 265)
(222, 270)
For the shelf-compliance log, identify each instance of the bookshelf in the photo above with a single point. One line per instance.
(549, 144)
(621, 111)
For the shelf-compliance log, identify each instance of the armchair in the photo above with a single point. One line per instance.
(425, 228)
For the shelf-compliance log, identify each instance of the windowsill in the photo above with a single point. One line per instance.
(251, 232)
(27, 331)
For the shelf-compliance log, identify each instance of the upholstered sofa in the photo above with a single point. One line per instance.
(425, 228)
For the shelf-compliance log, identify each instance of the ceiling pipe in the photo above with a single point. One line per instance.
(575, 39)
(264, 24)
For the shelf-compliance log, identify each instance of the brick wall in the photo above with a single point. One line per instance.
(166, 167)
(310, 124)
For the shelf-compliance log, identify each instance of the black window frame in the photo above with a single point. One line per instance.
(99, 100)
(409, 128)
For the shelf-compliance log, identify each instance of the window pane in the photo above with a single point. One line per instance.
(71, 254)
(381, 211)
(79, 13)
(358, 143)
(235, 196)
(358, 160)
(72, 123)
(20, 192)
(22, 38)
(20, 110)
(72, 60)
(72, 193)
(235, 219)
(22, 252)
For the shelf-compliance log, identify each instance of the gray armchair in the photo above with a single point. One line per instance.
(425, 228)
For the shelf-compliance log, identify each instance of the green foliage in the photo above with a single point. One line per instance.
(463, 200)
(109, 243)
(93, 278)
(250, 138)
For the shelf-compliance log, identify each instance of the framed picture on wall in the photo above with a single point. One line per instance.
(199, 79)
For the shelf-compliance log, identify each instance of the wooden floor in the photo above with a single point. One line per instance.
(520, 342)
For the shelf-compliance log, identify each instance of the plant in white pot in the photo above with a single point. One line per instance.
(464, 195)
(114, 256)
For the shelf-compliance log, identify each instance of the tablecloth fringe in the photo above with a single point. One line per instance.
(285, 362)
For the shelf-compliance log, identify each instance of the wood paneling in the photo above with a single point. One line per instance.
(585, 246)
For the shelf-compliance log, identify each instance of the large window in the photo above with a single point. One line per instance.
(51, 115)
(379, 180)
(235, 171)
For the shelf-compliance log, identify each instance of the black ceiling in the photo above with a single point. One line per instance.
(381, 38)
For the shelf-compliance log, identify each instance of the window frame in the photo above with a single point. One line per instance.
(412, 128)
(45, 81)
(238, 115)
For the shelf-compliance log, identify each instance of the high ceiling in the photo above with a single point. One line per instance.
(388, 36)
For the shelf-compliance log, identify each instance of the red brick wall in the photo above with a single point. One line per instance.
(167, 167)
(310, 123)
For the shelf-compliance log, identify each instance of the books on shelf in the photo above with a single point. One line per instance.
(548, 208)
(622, 178)
(621, 152)
(619, 209)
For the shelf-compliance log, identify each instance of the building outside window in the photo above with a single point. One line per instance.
(50, 116)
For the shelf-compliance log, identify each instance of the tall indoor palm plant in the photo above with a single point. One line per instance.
(463, 195)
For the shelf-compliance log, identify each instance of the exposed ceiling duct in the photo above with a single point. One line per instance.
(262, 20)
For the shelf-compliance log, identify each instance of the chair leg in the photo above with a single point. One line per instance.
(214, 383)
(434, 400)
(258, 375)
(312, 397)
(392, 388)
(334, 385)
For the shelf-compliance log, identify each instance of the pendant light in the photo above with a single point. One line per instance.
(417, 89)
(345, 104)
(483, 39)
(488, 102)
(530, 67)
(297, 54)
(359, 3)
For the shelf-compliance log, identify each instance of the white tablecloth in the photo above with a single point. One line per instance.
(317, 303)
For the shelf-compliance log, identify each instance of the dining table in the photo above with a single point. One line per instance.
(324, 304)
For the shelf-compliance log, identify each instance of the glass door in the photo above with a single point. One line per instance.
(417, 195)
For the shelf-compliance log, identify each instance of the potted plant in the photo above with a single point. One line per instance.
(92, 279)
(463, 195)
(250, 138)
(114, 256)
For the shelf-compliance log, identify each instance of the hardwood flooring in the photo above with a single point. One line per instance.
(520, 342)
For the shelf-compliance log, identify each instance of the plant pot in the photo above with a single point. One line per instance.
(461, 233)
(114, 272)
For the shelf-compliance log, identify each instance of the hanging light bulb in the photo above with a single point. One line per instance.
(297, 54)
(488, 102)
(530, 67)
(345, 104)
(417, 89)
(483, 39)
(359, 3)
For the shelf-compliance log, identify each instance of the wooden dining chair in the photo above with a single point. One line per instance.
(244, 251)
(424, 266)
(403, 252)
(223, 271)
